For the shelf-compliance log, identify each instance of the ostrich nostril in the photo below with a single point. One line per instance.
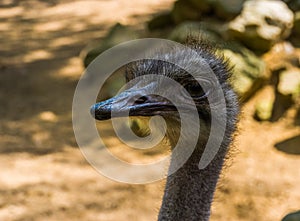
(141, 100)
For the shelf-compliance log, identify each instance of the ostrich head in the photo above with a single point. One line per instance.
(139, 98)
(189, 191)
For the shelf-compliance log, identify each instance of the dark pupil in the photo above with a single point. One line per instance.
(195, 90)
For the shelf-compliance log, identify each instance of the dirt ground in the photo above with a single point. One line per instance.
(43, 174)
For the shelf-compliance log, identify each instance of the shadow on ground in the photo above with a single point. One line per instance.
(289, 146)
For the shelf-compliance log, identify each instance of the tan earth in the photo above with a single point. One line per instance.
(43, 174)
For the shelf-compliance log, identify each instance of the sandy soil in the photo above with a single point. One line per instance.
(43, 174)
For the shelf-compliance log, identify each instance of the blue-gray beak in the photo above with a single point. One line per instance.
(131, 103)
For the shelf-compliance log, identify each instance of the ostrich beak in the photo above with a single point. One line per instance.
(131, 103)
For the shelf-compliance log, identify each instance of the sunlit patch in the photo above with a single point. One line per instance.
(37, 55)
(50, 26)
(48, 116)
(11, 12)
(63, 41)
(289, 81)
(60, 25)
(71, 69)
(4, 26)
(11, 212)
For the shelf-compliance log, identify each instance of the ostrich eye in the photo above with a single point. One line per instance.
(195, 90)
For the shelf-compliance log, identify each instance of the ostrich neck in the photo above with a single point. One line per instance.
(189, 191)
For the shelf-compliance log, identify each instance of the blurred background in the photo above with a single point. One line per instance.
(45, 46)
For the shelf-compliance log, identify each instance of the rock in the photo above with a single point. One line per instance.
(183, 10)
(282, 56)
(195, 29)
(262, 23)
(263, 110)
(118, 34)
(228, 9)
(285, 93)
(282, 102)
(289, 82)
(160, 21)
(248, 72)
(292, 217)
(204, 6)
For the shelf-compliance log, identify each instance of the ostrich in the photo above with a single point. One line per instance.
(189, 191)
